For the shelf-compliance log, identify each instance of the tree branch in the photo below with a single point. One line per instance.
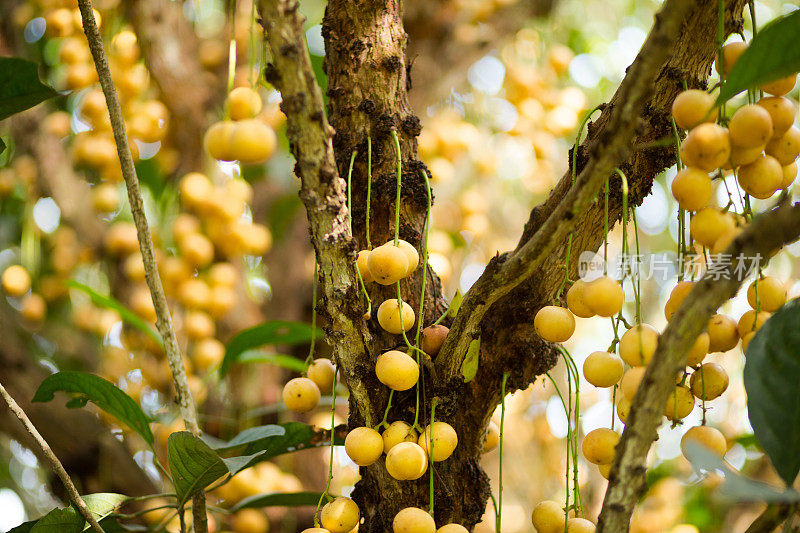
(164, 319)
(609, 152)
(762, 238)
(773, 516)
(51, 458)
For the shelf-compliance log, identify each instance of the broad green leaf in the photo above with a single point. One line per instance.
(274, 332)
(193, 464)
(251, 435)
(110, 303)
(103, 504)
(283, 361)
(67, 520)
(20, 86)
(470, 365)
(771, 375)
(100, 392)
(278, 499)
(239, 462)
(24, 527)
(455, 304)
(736, 487)
(772, 54)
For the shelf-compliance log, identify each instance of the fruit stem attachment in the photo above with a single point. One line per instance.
(384, 422)
(369, 188)
(399, 184)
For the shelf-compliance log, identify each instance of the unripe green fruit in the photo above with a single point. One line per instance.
(243, 103)
(604, 296)
(750, 322)
(691, 107)
(771, 294)
(709, 381)
(699, 350)
(554, 324)
(548, 517)
(413, 520)
(762, 177)
(692, 189)
(406, 461)
(452, 528)
(781, 110)
(576, 300)
(492, 438)
(396, 433)
(602, 369)
(439, 441)
(363, 445)
(707, 147)
(722, 333)
(598, 446)
(786, 147)
(340, 516)
(389, 317)
(580, 525)
(638, 344)
(300, 395)
(630, 381)
(411, 255)
(750, 126)
(16, 281)
(323, 373)
(432, 339)
(397, 370)
(387, 264)
(711, 438)
(679, 403)
(709, 224)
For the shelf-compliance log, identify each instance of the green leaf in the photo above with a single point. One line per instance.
(736, 487)
(251, 435)
(103, 504)
(193, 464)
(470, 365)
(277, 359)
(278, 499)
(67, 520)
(2, 146)
(24, 527)
(771, 375)
(20, 87)
(102, 393)
(772, 54)
(110, 303)
(455, 304)
(274, 332)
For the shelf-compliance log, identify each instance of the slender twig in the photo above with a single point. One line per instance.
(164, 319)
(55, 464)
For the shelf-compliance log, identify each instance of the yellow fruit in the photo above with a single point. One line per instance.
(722, 333)
(390, 318)
(125, 48)
(604, 296)
(707, 147)
(208, 354)
(363, 445)
(762, 177)
(252, 142)
(121, 239)
(692, 189)
(630, 381)
(786, 147)
(709, 437)
(725, 240)
(198, 325)
(676, 297)
(363, 267)
(217, 140)
(580, 525)
(250, 521)
(142, 303)
(744, 156)
(340, 516)
(413, 520)
(33, 308)
(771, 294)
(746, 340)
(709, 381)
(602, 369)
(492, 438)
(679, 403)
(195, 190)
(554, 324)
(243, 103)
(750, 322)
(411, 255)
(781, 110)
(396, 433)
(224, 274)
(323, 373)
(598, 446)
(699, 350)
(301, 395)
(576, 301)
(196, 249)
(623, 407)
(605, 470)
(439, 440)
(387, 264)
(432, 339)
(397, 370)
(194, 294)
(406, 461)
(105, 198)
(731, 53)
(691, 107)
(548, 517)
(708, 224)
(750, 126)
(638, 344)
(452, 528)
(315, 530)
(16, 280)
(220, 301)
(789, 174)
(780, 86)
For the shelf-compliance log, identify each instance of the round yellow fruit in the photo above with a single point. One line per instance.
(243, 103)
(387, 264)
(252, 142)
(692, 189)
(363, 445)
(492, 438)
(301, 395)
(33, 308)
(722, 333)
(363, 267)
(323, 373)
(731, 53)
(340, 516)
(105, 198)
(709, 381)
(548, 517)
(691, 107)
(602, 369)
(699, 350)
(750, 126)
(396, 433)
(780, 86)
(217, 140)
(631, 380)
(452, 528)
(638, 344)
(413, 520)
(762, 177)
(771, 294)
(554, 324)
(781, 110)
(711, 438)
(208, 354)
(411, 255)
(750, 322)
(390, 319)
(679, 403)
(676, 297)
(250, 521)
(397, 370)
(623, 408)
(16, 281)
(605, 470)
(707, 147)
(406, 461)
(439, 440)
(786, 147)
(789, 174)
(580, 525)
(604, 296)
(576, 301)
(198, 325)
(598, 446)
(709, 224)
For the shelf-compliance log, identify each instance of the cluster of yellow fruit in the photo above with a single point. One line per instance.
(243, 138)
(302, 394)
(16, 283)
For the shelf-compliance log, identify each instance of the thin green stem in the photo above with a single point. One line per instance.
(429, 443)
(578, 142)
(605, 231)
(499, 509)
(333, 439)
(369, 188)
(399, 185)
(350, 191)
(384, 422)
(310, 357)
(427, 228)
